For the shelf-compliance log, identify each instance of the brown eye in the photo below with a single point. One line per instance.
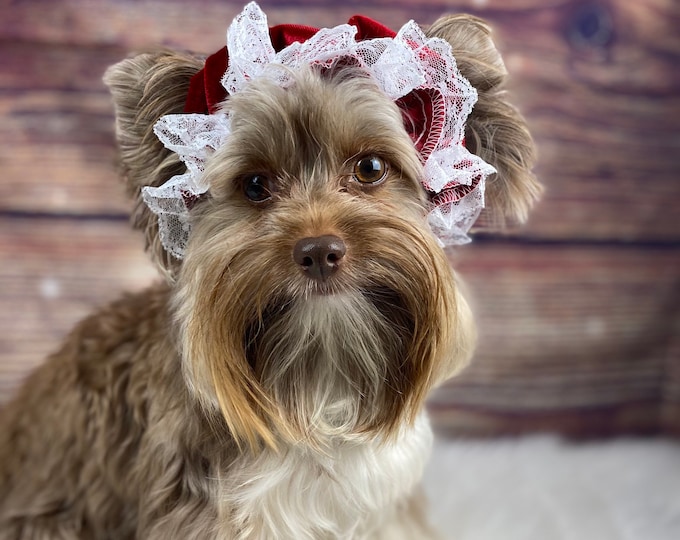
(370, 170)
(257, 188)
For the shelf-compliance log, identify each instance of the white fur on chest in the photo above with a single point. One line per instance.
(299, 494)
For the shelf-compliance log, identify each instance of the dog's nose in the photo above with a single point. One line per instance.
(320, 256)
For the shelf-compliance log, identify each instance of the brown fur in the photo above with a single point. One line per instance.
(134, 427)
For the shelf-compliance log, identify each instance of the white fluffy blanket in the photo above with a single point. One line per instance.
(541, 488)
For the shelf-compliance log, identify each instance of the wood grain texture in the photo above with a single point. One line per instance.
(579, 310)
(54, 272)
(587, 329)
(600, 85)
(57, 147)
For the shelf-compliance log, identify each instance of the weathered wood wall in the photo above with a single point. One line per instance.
(579, 311)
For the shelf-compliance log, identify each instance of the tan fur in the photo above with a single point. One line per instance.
(241, 399)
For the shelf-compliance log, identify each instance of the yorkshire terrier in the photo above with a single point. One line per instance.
(297, 190)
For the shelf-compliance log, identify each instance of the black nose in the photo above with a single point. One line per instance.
(319, 257)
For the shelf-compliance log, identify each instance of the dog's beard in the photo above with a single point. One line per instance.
(332, 361)
(287, 358)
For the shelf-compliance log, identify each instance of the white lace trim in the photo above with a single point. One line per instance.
(450, 222)
(408, 62)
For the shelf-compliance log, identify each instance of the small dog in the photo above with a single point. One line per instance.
(273, 386)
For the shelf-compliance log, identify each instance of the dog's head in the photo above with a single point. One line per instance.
(312, 297)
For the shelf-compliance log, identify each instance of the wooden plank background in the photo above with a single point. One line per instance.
(579, 310)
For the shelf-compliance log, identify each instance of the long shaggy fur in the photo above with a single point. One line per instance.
(241, 399)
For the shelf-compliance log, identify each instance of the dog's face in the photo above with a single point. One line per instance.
(313, 298)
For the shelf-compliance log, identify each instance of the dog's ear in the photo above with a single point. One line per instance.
(495, 130)
(144, 88)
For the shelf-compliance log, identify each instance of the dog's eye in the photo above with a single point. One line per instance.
(370, 170)
(257, 188)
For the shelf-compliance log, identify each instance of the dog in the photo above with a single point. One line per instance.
(296, 190)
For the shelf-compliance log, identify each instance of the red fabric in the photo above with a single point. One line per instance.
(285, 34)
(370, 29)
(205, 89)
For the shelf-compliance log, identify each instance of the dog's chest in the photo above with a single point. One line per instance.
(299, 494)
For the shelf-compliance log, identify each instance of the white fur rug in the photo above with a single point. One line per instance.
(540, 488)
